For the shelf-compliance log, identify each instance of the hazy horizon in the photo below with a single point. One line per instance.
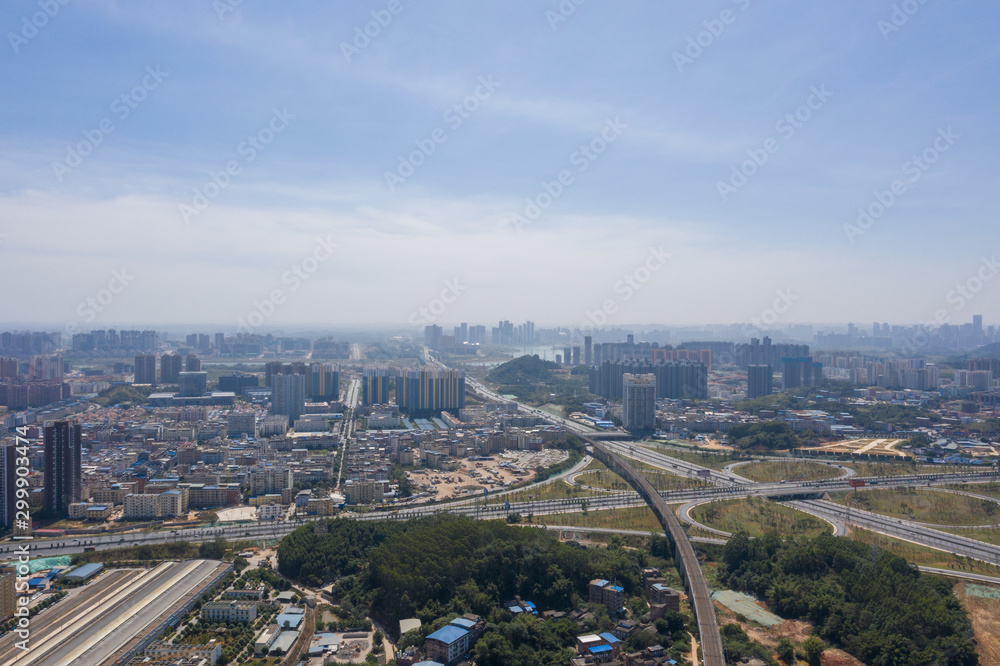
(209, 161)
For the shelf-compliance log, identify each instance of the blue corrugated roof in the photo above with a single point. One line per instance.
(293, 620)
(464, 623)
(609, 637)
(600, 648)
(617, 588)
(448, 634)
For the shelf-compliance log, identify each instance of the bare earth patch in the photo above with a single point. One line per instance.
(985, 617)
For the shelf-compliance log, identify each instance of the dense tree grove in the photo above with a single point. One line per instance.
(317, 558)
(763, 435)
(440, 567)
(867, 601)
(447, 564)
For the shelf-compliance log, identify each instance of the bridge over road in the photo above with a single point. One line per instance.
(684, 555)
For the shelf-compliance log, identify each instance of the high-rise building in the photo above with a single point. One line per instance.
(432, 336)
(991, 364)
(237, 383)
(192, 363)
(977, 328)
(8, 487)
(477, 335)
(375, 387)
(220, 343)
(8, 367)
(63, 476)
(674, 379)
(639, 402)
(797, 372)
(272, 368)
(46, 368)
(323, 381)
(588, 350)
(145, 369)
(576, 355)
(171, 365)
(427, 391)
(760, 380)
(288, 396)
(192, 384)
(567, 356)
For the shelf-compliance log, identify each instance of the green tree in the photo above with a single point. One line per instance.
(813, 647)
(786, 651)
(212, 550)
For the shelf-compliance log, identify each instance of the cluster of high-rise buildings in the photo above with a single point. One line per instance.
(417, 391)
(42, 385)
(675, 380)
(294, 384)
(463, 337)
(111, 340)
(63, 481)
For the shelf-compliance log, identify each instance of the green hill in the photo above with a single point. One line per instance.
(522, 371)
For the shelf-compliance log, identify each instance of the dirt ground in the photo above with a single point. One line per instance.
(794, 630)
(835, 657)
(985, 617)
(473, 475)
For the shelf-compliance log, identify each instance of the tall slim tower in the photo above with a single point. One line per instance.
(588, 350)
(288, 395)
(63, 478)
(145, 369)
(760, 380)
(639, 402)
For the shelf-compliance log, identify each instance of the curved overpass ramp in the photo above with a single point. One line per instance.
(684, 555)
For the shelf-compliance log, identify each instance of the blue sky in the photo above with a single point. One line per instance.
(334, 113)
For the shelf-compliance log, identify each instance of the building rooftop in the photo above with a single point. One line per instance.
(448, 634)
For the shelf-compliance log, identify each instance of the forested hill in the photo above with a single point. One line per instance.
(866, 601)
(525, 370)
(402, 568)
